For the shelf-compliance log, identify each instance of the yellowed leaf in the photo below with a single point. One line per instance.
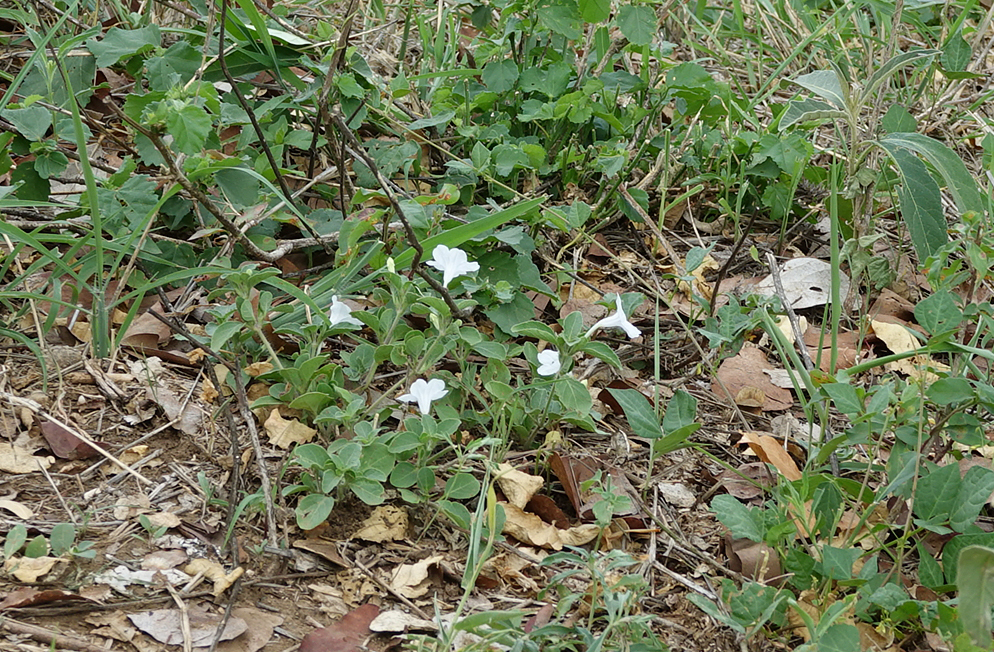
(899, 340)
(19, 510)
(29, 569)
(518, 486)
(772, 452)
(14, 459)
(411, 580)
(386, 523)
(285, 432)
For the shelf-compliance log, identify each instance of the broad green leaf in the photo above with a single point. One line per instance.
(745, 523)
(37, 547)
(535, 329)
(637, 23)
(642, 419)
(956, 53)
(837, 562)
(595, 11)
(368, 491)
(563, 18)
(120, 44)
(680, 412)
(313, 510)
(62, 538)
(826, 85)
(937, 491)
(938, 313)
(500, 76)
(16, 538)
(920, 203)
(840, 637)
(845, 398)
(898, 119)
(975, 582)
(32, 122)
(947, 391)
(188, 125)
(404, 475)
(574, 395)
(961, 183)
(896, 62)
(929, 571)
(603, 352)
(809, 110)
(462, 486)
(975, 488)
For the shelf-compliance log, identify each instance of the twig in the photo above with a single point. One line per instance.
(728, 263)
(48, 637)
(795, 326)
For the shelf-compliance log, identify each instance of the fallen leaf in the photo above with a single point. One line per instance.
(325, 549)
(286, 432)
(807, 282)
(347, 635)
(899, 340)
(532, 530)
(20, 510)
(748, 481)
(396, 621)
(166, 625)
(518, 486)
(752, 559)
(261, 625)
(29, 569)
(29, 596)
(746, 370)
(64, 443)
(215, 573)
(163, 519)
(412, 580)
(14, 459)
(772, 452)
(386, 523)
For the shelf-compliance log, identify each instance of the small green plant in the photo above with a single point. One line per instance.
(61, 541)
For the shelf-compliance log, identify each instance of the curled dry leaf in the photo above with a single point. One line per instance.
(413, 580)
(286, 432)
(166, 625)
(752, 559)
(772, 452)
(530, 529)
(899, 340)
(29, 569)
(748, 482)
(518, 486)
(14, 459)
(215, 573)
(20, 510)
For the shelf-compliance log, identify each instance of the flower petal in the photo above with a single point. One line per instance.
(549, 364)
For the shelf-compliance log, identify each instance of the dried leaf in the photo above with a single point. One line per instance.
(286, 432)
(518, 486)
(14, 459)
(772, 452)
(29, 569)
(347, 635)
(746, 370)
(166, 625)
(386, 523)
(412, 580)
(64, 443)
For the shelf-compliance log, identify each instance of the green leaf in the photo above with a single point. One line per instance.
(313, 510)
(500, 76)
(641, 417)
(37, 547)
(120, 43)
(947, 391)
(929, 571)
(595, 11)
(574, 395)
(837, 562)
(462, 486)
(16, 537)
(893, 65)
(745, 523)
(680, 412)
(840, 637)
(938, 313)
(404, 475)
(562, 18)
(898, 119)
(975, 488)
(62, 538)
(921, 204)
(368, 491)
(956, 53)
(961, 183)
(845, 398)
(637, 23)
(937, 491)
(188, 125)
(224, 332)
(975, 581)
(603, 352)
(826, 85)
(808, 110)
(32, 122)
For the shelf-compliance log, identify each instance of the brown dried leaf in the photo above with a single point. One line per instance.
(347, 635)
(746, 370)
(286, 432)
(386, 523)
(772, 452)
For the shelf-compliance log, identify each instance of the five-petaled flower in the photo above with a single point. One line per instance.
(424, 392)
(451, 262)
(548, 363)
(342, 314)
(616, 319)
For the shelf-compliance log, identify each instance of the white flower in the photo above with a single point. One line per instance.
(548, 363)
(342, 314)
(451, 262)
(616, 319)
(424, 392)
